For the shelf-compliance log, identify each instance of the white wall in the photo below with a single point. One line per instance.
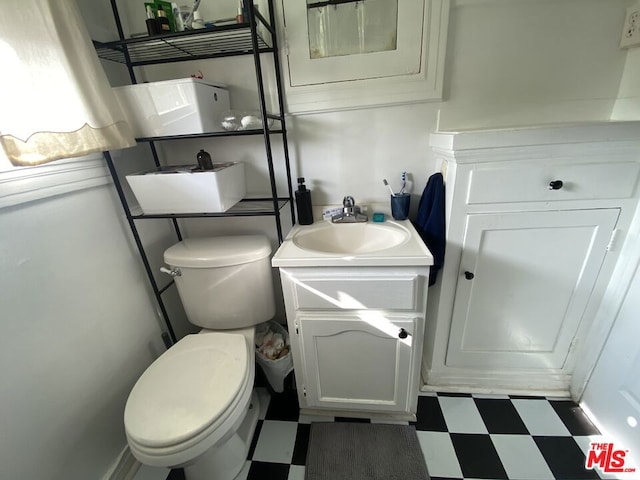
(627, 104)
(526, 62)
(78, 328)
(612, 393)
(79, 322)
(509, 63)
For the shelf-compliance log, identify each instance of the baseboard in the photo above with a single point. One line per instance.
(125, 467)
(494, 391)
(514, 383)
(380, 416)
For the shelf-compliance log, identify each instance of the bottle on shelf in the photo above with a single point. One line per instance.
(153, 26)
(204, 160)
(303, 203)
(240, 14)
(165, 27)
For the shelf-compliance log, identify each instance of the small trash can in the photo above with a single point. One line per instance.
(273, 353)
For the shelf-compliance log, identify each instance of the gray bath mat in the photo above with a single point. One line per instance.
(362, 451)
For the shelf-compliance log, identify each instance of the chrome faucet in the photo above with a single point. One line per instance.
(351, 213)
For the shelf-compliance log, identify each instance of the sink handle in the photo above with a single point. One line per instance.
(349, 205)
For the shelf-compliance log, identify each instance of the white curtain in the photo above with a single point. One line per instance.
(55, 100)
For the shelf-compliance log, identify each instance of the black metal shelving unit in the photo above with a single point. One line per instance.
(230, 40)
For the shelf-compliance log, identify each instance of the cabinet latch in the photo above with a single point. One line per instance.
(304, 391)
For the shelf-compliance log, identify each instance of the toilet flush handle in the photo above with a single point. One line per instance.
(174, 272)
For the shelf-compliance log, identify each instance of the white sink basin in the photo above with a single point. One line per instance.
(350, 238)
(325, 244)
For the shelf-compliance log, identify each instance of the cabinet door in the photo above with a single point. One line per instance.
(353, 362)
(524, 283)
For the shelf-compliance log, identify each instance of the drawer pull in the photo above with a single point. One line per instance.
(403, 333)
(469, 275)
(555, 185)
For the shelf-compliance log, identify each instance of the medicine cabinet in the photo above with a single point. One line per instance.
(343, 54)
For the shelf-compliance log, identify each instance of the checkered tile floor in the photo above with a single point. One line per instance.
(463, 436)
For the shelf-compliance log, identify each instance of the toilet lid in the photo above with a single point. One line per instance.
(186, 389)
(218, 251)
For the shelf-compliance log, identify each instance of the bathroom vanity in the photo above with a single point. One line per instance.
(355, 298)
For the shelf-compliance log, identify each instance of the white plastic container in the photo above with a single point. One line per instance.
(184, 189)
(173, 107)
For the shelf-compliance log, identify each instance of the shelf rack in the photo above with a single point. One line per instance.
(255, 37)
(224, 41)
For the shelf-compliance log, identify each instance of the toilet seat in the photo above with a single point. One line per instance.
(175, 405)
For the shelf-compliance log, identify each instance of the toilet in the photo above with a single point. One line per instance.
(195, 407)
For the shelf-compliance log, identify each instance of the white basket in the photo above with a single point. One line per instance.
(275, 370)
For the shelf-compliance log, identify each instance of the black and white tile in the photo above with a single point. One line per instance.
(463, 436)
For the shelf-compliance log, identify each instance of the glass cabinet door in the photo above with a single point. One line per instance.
(352, 27)
(333, 42)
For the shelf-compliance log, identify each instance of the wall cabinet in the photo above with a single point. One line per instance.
(352, 54)
(356, 344)
(532, 237)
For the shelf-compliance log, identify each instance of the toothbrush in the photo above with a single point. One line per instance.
(384, 180)
(404, 182)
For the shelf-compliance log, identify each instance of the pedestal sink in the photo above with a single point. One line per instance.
(353, 238)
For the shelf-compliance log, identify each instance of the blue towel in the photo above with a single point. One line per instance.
(430, 222)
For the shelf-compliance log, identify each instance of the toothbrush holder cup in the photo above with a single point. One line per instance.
(400, 206)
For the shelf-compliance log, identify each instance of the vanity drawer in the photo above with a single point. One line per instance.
(531, 183)
(358, 293)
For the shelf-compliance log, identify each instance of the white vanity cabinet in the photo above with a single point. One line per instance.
(534, 222)
(356, 336)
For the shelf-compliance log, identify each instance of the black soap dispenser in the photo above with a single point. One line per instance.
(303, 203)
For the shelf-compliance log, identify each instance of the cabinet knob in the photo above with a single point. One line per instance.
(469, 275)
(403, 333)
(555, 185)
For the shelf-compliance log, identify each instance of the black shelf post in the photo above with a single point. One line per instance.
(136, 237)
(285, 141)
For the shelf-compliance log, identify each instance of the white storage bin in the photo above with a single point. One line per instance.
(186, 189)
(173, 107)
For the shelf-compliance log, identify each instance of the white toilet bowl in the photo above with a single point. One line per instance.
(194, 408)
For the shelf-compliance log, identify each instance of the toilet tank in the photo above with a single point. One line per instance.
(225, 282)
